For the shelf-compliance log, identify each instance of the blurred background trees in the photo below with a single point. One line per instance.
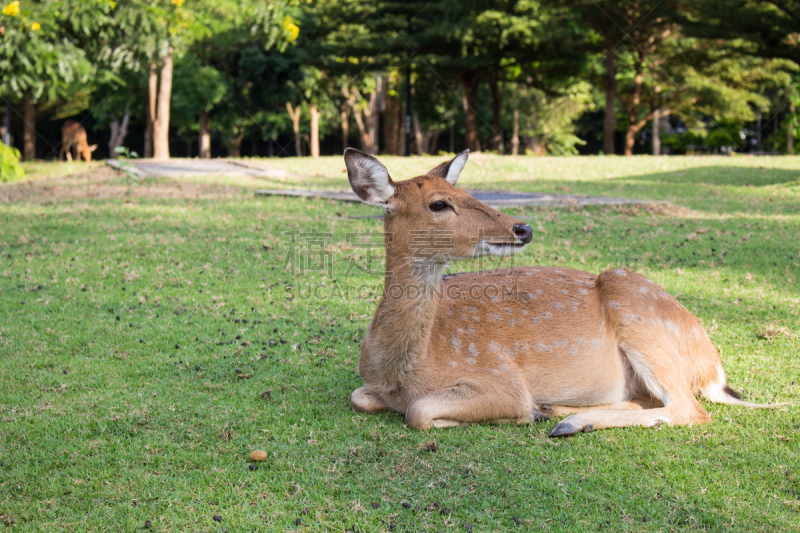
(283, 77)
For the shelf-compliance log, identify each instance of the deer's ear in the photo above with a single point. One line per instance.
(368, 177)
(451, 170)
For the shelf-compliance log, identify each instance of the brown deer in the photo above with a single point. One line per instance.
(518, 344)
(73, 134)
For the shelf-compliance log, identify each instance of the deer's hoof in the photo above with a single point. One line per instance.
(564, 429)
(570, 426)
(539, 416)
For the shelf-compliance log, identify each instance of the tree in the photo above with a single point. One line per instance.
(38, 61)
(245, 45)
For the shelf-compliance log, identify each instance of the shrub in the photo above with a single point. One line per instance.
(10, 169)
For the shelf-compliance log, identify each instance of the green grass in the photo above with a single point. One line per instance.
(121, 401)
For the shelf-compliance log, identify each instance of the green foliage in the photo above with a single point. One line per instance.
(549, 119)
(37, 54)
(196, 88)
(10, 168)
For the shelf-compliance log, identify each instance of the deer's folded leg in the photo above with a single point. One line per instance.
(468, 403)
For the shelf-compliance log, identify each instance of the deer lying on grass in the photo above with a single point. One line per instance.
(73, 134)
(518, 344)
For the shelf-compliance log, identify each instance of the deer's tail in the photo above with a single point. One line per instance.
(725, 394)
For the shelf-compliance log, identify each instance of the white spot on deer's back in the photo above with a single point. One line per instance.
(453, 364)
(613, 304)
(536, 319)
(456, 342)
(507, 310)
(540, 347)
(643, 289)
(539, 291)
(546, 315)
(583, 292)
(560, 344)
(573, 351)
(472, 350)
(627, 318)
(449, 312)
(494, 347)
(523, 311)
(471, 360)
(595, 344)
(494, 371)
(672, 326)
(620, 272)
(503, 368)
(558, 306)
(564, 291)
(470, 330)
(580, 342)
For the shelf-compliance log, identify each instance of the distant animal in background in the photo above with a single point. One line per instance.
(73, 135)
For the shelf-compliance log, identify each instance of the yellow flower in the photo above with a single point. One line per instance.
(35, 26)
(178, 3)
(12, 9)
(292, 28)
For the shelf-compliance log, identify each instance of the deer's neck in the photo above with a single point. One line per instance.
(402, 326)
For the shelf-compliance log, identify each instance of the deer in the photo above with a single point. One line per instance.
(519, 344)
(73, 134)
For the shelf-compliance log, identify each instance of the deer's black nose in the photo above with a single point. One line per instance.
(523, 232)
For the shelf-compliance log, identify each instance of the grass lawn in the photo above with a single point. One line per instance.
(150, 339)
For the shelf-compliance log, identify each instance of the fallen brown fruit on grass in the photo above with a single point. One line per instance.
(258, 455)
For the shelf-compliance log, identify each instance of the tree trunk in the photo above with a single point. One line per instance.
(161, 125)
(29, 129)
(790, 132)
(377, 106)
(345, 128)
(234, 145)
(204, 137)
(657, 132)
(515, 131)
(152, 98)
(418, 134)
(610, 82)
(392, 131)
(312, 108)
(118, 132)
(496, 136)
(294, 114)
(4, 133)
(633, 111)
(470, 101)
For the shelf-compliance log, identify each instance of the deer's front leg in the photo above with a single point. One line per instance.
(466, 404)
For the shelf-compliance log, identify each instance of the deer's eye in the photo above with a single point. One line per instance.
(438, 206)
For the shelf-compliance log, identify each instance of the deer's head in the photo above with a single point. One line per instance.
(429, 212)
